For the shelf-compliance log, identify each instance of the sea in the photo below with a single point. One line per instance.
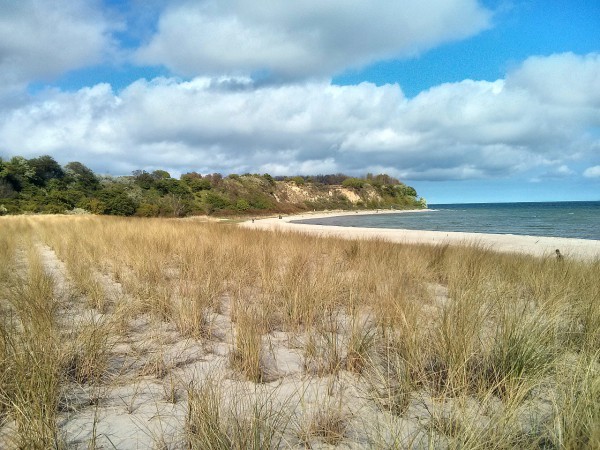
(559, 219)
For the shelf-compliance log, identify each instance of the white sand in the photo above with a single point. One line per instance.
(533, 245)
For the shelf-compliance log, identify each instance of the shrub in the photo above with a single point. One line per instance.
(354, 183)
(269, 179)
(299, 181)
(199, 184)
(242, 205)
(147, 210)
(117, 202)
(95, 206)
(216, 202)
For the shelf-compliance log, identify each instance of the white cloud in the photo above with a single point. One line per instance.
(592, 172)
(562, 79)
(554, 172)
(41, 39)
(465, 130)
(562, 171)
(304, 38)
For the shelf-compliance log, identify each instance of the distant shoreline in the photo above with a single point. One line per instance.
(585, 249)
(340, 213)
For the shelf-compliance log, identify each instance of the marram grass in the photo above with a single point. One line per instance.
(398, 345)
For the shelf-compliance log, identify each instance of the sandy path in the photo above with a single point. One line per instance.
(532, 245)
(129, 410)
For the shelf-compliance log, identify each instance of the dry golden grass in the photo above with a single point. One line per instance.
(488, 350)
(31, 359)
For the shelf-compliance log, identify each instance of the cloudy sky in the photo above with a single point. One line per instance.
(466, 100)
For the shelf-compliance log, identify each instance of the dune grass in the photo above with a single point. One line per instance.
(448, 346)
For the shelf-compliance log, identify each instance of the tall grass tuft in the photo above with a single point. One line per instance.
(31, 369)
(577, 404)
(247, 356)
(219, 418)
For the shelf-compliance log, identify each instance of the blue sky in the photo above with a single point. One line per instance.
(519, 29)
(467, 101)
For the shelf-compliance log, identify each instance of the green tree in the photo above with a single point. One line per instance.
(408, 191)
(82, 176)
(195, 181)
(216, 202)
(201, 184)
(45, 168)
(172, 186)
(161, 175)
(17, 172)
(143, 179)
(117, 202)
(6, 189)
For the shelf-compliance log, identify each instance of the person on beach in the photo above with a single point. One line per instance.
(559, 257)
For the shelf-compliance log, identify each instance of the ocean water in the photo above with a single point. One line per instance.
(559, 219)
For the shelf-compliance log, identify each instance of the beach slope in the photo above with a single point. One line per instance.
(533, 245)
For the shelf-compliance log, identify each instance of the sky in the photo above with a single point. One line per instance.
(466, 100)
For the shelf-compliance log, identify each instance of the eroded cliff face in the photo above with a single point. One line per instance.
(307, 194)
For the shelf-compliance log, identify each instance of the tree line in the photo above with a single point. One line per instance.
(41, 185)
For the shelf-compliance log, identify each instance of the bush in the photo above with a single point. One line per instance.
(95, 206)
(269, 179)
(117, 202)
(216, 202)
(258, 201)
(199, 184)
(242, 205)
(408, 191)
(172, 186)
(354, 183)
(147, 210)
(299, 181)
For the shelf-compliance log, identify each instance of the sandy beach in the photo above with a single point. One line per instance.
(534, 245)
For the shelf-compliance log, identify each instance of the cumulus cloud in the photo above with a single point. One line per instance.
(592, 172)
(465, 130)
(551, 79)
(41, 39)
(305, 38)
